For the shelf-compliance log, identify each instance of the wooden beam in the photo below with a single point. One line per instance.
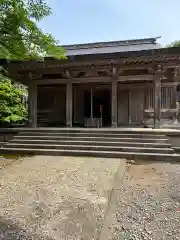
(171, 64)
(163, 110)
(93, 67)
(133, 85)
(146, 77)
(136, 66)
(74, 80)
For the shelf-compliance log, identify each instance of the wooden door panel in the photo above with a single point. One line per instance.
(123, 99)
(137, 105)
(78, 107)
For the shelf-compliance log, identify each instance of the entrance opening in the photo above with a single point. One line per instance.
(101, 106)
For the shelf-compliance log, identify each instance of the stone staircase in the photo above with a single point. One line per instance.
(116, 143)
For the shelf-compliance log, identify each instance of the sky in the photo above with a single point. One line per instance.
(84, 21)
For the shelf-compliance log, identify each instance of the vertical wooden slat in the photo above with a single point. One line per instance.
(149, 98)
(168, 97)
(171, 97)
(174, 97)
(152, 97)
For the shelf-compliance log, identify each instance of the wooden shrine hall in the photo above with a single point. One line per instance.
(108, 84)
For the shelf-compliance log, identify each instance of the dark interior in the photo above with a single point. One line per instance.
(100, 98)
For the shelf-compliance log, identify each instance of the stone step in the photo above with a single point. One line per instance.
(91, 134)
(95, 130)
(91, 147)
(176, 149)
(90, 138)
(109, 154)
(94, 142)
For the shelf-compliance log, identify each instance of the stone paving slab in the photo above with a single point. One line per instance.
(49, 197)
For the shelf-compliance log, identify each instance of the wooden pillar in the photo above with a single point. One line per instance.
(114, 103)
(92, 105)
(176, 94)
(69, 104)
(174, 104)
(32, 104)
(158, 74)
(129, 106)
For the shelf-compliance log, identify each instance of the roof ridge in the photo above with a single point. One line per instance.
(112, 43)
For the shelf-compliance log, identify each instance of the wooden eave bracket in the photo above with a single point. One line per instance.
(117, 71)
(68, 74)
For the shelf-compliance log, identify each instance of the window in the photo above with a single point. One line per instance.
(167, 97)
(149, 98)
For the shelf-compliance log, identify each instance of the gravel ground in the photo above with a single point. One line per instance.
(67, 198)
(8, 160)
(55, 198)
(147, 205)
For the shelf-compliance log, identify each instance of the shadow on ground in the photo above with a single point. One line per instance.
(146, 162)
(11, 231)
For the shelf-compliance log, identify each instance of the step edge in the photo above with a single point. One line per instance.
(30, 140)
(88, 151)
(81, 146)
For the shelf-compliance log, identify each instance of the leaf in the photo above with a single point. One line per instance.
(11, 105)
(174, 44)
(20, 38)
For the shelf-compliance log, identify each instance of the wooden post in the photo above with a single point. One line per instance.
(158, 74)
(114, 103)
(91, 106)
(129, 106)
(69, 104)
(32, 104)
(176, 94)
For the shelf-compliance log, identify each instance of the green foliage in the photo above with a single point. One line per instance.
(11, 107)
(174, 44)
(20, 38)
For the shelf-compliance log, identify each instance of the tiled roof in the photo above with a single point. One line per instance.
(113, 46)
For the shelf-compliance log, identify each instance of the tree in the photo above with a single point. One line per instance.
(174, 44)
(20, 38)
(12, 108)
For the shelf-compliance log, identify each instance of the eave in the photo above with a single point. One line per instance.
(169, 57)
